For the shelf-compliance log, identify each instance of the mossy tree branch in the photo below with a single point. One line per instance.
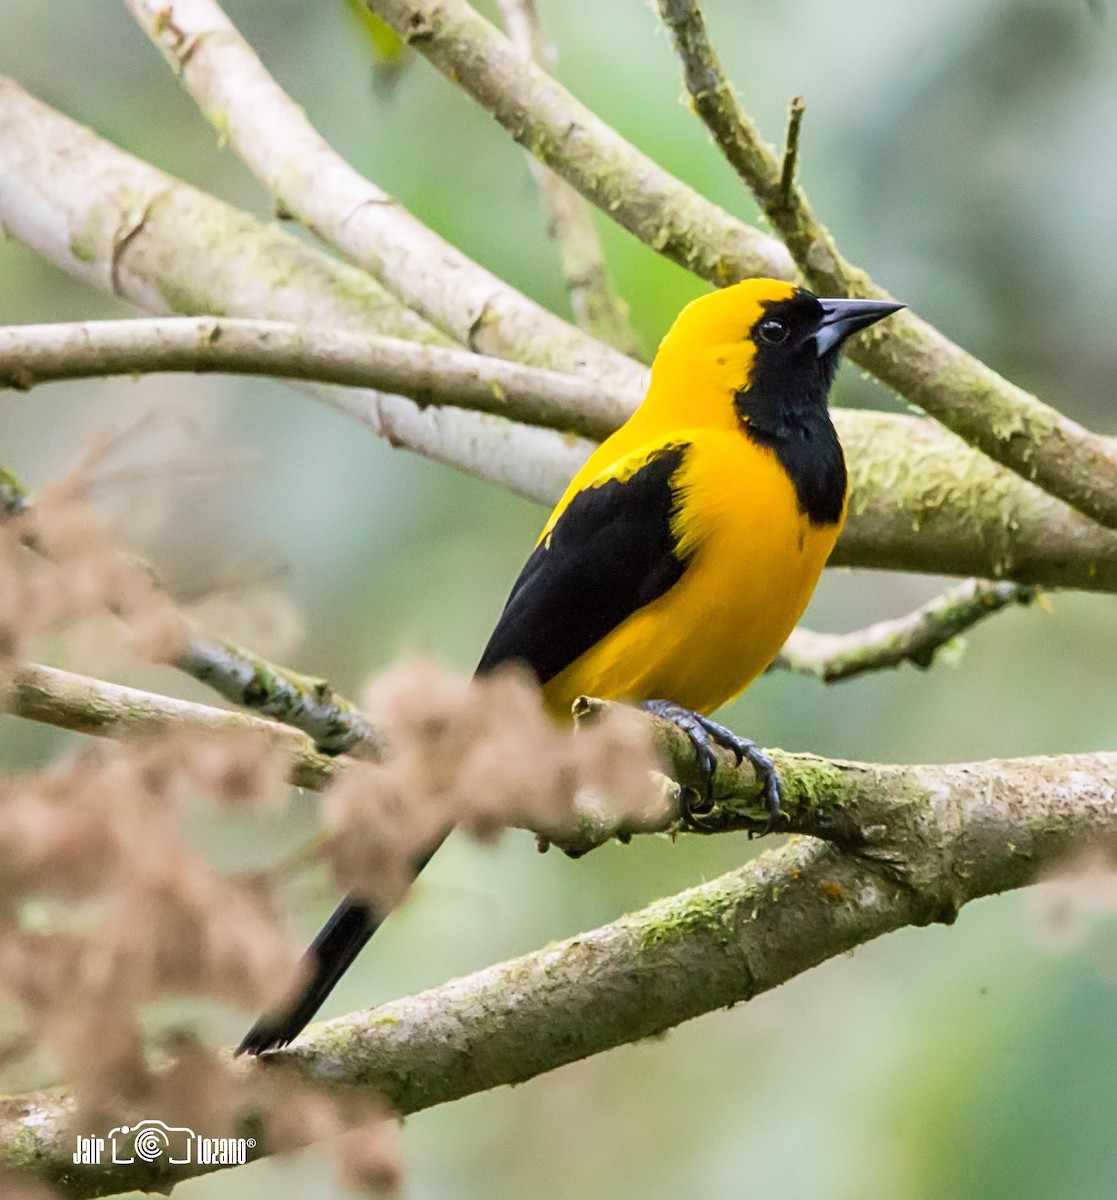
(680, 804)
(1002, 420)
(915, 638)
(906, 354)
(921, 499)
(918, 844)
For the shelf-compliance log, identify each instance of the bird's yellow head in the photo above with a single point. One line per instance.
(761, 336)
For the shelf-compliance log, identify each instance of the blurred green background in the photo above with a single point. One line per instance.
(963, 150)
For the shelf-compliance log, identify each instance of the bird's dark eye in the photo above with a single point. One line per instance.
(774, 331)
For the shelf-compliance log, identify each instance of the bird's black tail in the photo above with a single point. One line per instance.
(339, 942)
(327, 958)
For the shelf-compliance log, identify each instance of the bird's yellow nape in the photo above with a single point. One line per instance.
(707, 354)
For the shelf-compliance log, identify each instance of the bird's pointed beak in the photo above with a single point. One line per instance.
(843, 317)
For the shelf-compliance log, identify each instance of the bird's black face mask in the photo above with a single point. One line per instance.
(784, 407)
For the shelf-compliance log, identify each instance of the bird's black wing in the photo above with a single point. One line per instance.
(611, 552)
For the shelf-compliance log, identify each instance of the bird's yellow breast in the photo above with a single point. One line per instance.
(754, 561)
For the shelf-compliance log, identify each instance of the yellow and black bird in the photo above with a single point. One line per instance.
(682, 554)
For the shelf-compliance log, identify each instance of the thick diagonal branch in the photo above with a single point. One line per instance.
(577, 144)
(305, 176)
(937, 838)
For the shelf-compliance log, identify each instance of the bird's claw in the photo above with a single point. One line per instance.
(703, 733)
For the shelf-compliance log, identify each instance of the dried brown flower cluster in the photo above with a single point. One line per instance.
(111, 915)
(58, 563)
(480, 755)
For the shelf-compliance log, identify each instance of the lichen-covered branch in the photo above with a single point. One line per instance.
(307, 177)
(915, 638)
(32, 354)
(335, 725)
(597, 308)
(921, 499)
(931, 839)
(908, 355)
(948, 508)
(1004, 421)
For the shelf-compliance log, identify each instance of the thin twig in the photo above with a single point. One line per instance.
(596, 306)
(915, 638)
(32, 354)
(795, 113)
(1002, 420)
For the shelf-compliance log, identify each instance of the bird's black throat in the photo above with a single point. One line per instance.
(784, 409)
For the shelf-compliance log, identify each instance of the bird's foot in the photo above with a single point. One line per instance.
(704, 733)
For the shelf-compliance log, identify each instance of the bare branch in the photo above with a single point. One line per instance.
(596, 306)
(915, 638)
(534, 463)
(795, 113)
(921, 500)
(1002, 420)
(573, 141)
(123, 226)
(905, 353)
(31, 354)
(85, 705)
(935, 838)
(306, 177)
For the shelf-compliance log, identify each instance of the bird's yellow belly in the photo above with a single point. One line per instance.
(756, 562)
